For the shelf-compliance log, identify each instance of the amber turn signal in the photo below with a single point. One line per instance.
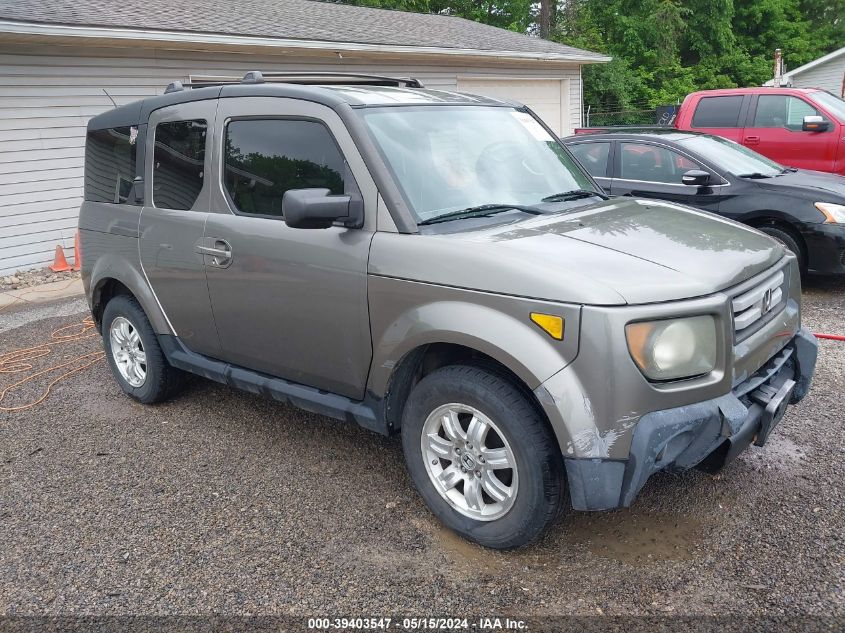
(551, 325)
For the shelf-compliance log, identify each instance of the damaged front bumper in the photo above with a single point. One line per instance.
(707, 435)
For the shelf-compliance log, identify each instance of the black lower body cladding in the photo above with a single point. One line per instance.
(707, 435)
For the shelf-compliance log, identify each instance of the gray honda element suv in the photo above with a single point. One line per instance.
(437, 265)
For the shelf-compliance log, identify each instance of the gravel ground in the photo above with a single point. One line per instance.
(223, 502)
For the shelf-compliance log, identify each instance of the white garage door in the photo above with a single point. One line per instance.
(548, 98)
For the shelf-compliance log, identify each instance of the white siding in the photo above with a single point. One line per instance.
(47, 95)
(827, 76)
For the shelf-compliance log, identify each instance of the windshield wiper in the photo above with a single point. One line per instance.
(575, 194)
(788, 170)
(756, 175)
(480, 211)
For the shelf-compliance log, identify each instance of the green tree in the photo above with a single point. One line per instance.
(662, 49)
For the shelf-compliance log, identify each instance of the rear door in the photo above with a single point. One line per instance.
(775, 130)
(653, 170)
(178, 158)
(722, 115)
(289, 302)
(596, 156)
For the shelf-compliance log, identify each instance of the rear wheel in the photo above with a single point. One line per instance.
(789, 241)
(134, 355)
(482, 457)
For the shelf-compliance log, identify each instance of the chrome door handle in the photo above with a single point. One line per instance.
(215, 251)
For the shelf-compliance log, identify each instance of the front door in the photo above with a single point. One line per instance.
(654, 171)
(173, 219)
(775, 130)
(288, 302)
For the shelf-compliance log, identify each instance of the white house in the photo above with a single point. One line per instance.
(827, 73)
(63, 61)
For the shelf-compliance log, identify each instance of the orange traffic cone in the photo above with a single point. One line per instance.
(77, 253)
(60, 264)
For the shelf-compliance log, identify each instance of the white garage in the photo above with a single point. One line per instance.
(548, 98)
(64, 63)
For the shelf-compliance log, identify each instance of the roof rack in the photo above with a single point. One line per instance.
(307, 78)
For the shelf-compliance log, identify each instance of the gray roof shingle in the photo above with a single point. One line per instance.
(289, 19)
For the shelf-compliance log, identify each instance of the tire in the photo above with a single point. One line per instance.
(525, 499)
(790, 242)
(159, 381)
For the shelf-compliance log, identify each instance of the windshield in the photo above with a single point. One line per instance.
(832, 104)
(446, 158)
(731, 156)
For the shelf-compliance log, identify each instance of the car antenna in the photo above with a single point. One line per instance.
(109, 96)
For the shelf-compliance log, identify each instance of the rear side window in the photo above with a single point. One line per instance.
(179, 163)
(110, 165)
(267, 157)
(593, 157)
(717, 112)
(651, 163)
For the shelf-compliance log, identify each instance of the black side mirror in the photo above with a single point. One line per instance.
(696, 178)
(318, 209)
(814, 123)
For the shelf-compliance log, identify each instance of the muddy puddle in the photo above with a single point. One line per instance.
(634, 538)
(460, 552)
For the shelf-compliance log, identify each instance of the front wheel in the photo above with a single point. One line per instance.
(790, 242)
(482, 457)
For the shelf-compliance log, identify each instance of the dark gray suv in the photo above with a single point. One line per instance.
(435, 264)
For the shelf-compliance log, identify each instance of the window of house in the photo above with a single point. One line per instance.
(782, 111)
(110, 165)
(718, 112)
(264, 158)
(651, 163)
(593, 157)
(179, 163)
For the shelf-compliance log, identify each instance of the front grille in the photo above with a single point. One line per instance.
(756, 306)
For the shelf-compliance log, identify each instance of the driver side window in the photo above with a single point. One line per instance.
(782, 111)
(264, 158)
(651, 163)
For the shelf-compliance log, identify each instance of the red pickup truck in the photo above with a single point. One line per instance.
(797, 127)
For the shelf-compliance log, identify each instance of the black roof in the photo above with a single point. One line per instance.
(356, 96)
(662, 133)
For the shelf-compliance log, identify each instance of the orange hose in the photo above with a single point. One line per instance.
(21, 360)
(832, 337)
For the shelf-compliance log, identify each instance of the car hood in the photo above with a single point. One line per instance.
(619, 251)
(826, 187)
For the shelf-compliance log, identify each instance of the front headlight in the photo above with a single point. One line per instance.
(673, 348)
(833, 213)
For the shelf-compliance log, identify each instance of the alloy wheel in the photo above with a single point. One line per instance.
(128, 352)
(469, 461)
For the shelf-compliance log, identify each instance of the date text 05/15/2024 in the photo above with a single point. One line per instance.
(417, 624)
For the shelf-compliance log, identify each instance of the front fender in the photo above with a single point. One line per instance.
(406, 315)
